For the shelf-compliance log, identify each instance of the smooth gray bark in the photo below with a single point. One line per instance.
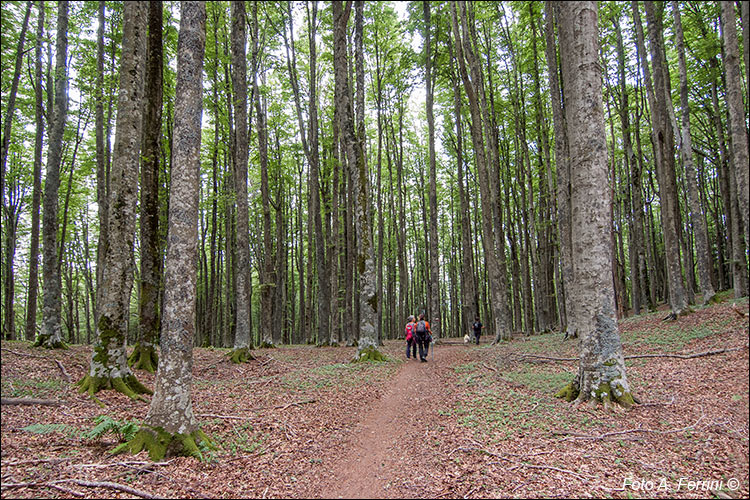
(171, 406)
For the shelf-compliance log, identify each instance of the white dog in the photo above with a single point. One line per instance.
(467, 339)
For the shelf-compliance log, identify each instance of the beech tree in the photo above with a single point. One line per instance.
(109, 367)
(170, 426)
(601, 370)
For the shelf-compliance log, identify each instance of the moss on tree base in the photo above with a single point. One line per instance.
(128, 385)
(605, 394)
(144, 357)
(160, 443)
(369, 353)
(47, 342)
(266, 345)
(242, 355)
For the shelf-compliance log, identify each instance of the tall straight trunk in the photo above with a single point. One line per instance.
(736, 111)
(267, 292)
(434, 289)
(470, 305)
(686, 151)
(171, 407)
(144, 354)
(474, 88)
(663, 141)
(242, 269)
(637, 258)
(36, 196)
(563, 172)
(102, 159)
(601, 372)
(367, 306)
(109, 368)
(11, 106)
(51, 334)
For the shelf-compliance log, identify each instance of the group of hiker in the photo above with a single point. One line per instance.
(419, 334)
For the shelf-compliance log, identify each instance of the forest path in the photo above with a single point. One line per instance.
(385, 450)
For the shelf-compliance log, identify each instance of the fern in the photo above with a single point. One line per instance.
(124, 431)
(50, 428)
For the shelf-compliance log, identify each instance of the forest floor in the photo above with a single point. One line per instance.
(473, 422)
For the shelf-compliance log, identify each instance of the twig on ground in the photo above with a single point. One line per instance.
(29, 401)
(529, 411)
(629, 431)
(489, 367)
(294, 403)
(639, 356)
(80, 482)
(227, 417)
(123, 464)
(23, 353)
(62, 369)
(38, 461)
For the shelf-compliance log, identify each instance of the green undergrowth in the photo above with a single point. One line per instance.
(337, 375)
(501, 415)
(32, 387)
(673, 336)
(241, 439)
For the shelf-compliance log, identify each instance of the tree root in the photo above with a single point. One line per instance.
(128, 386)
(266, 345)
(160, 443)
(243, 355)
(369, 354)
(144, 357)
(47, 342)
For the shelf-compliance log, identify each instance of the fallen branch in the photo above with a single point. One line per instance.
(29, 401)
(630, 431)
(23, 353)
(227, 417)
(489, 367)
(62, 369)
(295, 403)
(529, 411)
(638, 356)
(107, 484)
(738, 312)
(686, 356)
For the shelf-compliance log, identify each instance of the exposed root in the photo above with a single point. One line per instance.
(144, 357)
(160, 443)
(128, 386)
(243, 355)
(266, 345)
(47, 342)
(369, 354)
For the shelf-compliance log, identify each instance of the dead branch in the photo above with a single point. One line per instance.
(227, 417)
(489, 367)
(638, 356)
(23, 353)
(738, 312)
(529, 411)
(29, 401)
(37, 461)
(107, 484)
(686, 356)
(62, 369)
(549, 467)
(630, 431)
(294, 403)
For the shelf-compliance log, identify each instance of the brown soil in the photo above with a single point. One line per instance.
(475, 422)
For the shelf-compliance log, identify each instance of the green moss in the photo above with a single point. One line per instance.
(160, 443)
(266, 345)
(569, 392)
(128, 386)
(369, 354)
(144, 357)
(610, 362)
(242, 355)
(47, 342)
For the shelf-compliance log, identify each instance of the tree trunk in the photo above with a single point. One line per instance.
(601, 373)
(686, 150)
(368, 298)
(31, 302)
(663, 140)
(242, 269)
(736, 109)
(144, 353)
(51, 334)
(170, 416)
(434, 289)
(109, 367)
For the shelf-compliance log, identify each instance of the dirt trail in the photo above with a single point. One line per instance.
(384, 456)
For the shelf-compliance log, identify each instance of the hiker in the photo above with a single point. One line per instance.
(411, 340)
(477, 326)
(424, 337)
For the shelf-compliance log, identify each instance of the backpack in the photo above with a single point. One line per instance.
(477, 326)
(421, 329)
(409, 329)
